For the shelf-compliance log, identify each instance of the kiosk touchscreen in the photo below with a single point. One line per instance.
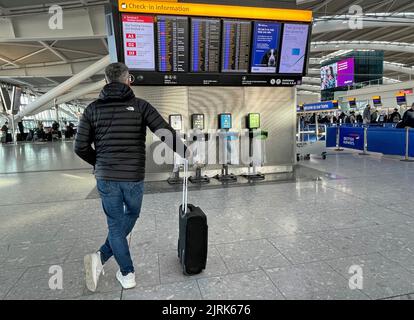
(224, 121)
(228, 147)
(257, 151)
(197, 121)
(253, 121)
(176, 122)
(199, 146)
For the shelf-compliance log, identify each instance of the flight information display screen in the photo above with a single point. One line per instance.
(172, 44)
(236, 46)
(205, 45)
(294, 48)
(163, 49)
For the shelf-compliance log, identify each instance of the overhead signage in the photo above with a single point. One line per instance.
(321, 106)
(212, 10)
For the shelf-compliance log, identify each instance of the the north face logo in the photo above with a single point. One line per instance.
(130, 109)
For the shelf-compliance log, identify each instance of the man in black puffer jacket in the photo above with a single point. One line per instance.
(116, 124)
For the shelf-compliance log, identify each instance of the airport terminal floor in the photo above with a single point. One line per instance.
(292, 239)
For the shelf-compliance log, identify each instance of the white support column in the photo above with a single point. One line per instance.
(65, 86)
(74, 95)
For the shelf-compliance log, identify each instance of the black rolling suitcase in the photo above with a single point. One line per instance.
(193, 234)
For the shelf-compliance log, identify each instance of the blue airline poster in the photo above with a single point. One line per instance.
(265, 48)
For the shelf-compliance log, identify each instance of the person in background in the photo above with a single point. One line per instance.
(359, 118)
(71, 128)
(347, 119)
(21, 128)
(366, 116)
(394, 117)
(4, 132)
(408, 118)
(402, 110)
(374, 116)
(352, 117)
(341, 118)
(55, 126)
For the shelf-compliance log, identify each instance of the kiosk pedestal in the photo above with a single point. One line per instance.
(199, 145)
(257, 146)
(228, 148)
(257, 153)
(199, 156)
(176, 122)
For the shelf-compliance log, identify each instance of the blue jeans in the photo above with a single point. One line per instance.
(121, 202)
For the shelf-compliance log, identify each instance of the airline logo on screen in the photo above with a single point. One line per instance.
(212, 10)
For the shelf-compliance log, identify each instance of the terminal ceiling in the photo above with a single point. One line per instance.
(33, 56)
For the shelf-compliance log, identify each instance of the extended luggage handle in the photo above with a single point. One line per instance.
(185, 188)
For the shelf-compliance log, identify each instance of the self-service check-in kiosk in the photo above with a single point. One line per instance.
(257, 146)
(176, 122)
(228, 147)
(199, 139)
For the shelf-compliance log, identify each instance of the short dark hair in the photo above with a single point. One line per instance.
(116, 72)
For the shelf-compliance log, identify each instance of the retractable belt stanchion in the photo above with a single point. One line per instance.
(228, 148)
(199, 138)
(337, 139)
(257, 151)
(176, 122)
(365, 153)
(407, 146)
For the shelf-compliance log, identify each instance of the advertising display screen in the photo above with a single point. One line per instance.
(172, 44)
(138, 31)
(340, 74)
(265, 48)
(294, 46)
(205, 45)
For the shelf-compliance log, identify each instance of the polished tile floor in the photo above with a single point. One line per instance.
(292, 240)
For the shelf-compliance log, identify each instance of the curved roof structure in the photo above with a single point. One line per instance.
(32, 55)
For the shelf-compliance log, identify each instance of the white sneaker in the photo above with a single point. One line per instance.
(128, 281)
(93, 270)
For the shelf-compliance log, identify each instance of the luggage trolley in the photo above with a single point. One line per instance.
(305, 148)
